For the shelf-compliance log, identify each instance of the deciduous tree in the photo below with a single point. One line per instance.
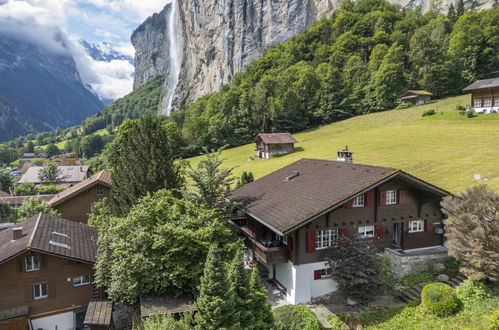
(33, 206)
(50, 173)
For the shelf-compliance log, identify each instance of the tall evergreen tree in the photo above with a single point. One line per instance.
(239, 285)
(30, 147)
(142, 161)
(262, 313)
(451, 13)
(216, 300)
(460, 8)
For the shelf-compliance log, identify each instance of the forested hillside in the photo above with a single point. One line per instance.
(355, 62)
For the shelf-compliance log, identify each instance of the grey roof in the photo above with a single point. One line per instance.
(290, 197)
(103, 177)
(99, 313)
(72, 173)
(164, 305)
(276, 138)
(42, 233)
(13, 312)
(484, 83)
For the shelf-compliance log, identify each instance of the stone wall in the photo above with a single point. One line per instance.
(413, 261)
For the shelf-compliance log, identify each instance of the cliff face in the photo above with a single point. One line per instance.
(218, 38)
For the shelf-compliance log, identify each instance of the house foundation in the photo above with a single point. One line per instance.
(415, 260)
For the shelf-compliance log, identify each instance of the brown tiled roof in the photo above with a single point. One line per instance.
(51, 235)
(24, 168)
(18, 200)
(4, 194)
(103, 177)
(99, 313)
(276, 138)
(71, 173)
(313, 187)
(484, 83)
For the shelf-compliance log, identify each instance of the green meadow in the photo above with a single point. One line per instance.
(446, 149)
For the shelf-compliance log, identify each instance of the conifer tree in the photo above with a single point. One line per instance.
(451, 14)
(216, 301)
(260, 307)
(460, 8)
(239, 285)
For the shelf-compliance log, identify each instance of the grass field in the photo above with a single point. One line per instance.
(446, 149)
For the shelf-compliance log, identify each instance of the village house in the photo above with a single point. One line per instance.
(274, 144)
(416, 97)
(69, 175)
(484, 95)
(293, 215)
(46, 267)
(75, 202)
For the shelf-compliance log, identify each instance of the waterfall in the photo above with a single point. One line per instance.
(175, 55)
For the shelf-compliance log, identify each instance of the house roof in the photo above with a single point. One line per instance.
(10, 313)
(103, 178)
(484, 83)
(411, 93)
(51, 235)
(18, 200)
(4, 194)
(24, 168)
(296, 194)
(276, 138)
(99, 313)
(73, 173)
(166, 304)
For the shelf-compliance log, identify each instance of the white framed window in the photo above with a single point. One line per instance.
(391, 197)
(81, 280)
(477, 102)
(40, 291)
(99, 191)
(32, 263)
(366, 231)
(496, 101)
(487, 101)
(358, 201)
(416, 226)
(326, 238)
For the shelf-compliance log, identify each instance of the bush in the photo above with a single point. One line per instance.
(404, 106)
(410, 280)
(429, 112)
(494, 319)
(470, 291)
(50, 189)
(440, 299)
(452, 266)
(336, 322)
(470, 113)
(295, 317)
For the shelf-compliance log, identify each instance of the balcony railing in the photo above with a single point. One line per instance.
(267, 255)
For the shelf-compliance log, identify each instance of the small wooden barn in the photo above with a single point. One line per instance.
(273, 144)
(415, 97)
(484, 95)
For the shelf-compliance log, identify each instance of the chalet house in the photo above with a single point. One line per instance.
(484, 95)
(68, 174)
(274, 144)
(75, 202)
(293, 215)
(416, 97)
(46, 270)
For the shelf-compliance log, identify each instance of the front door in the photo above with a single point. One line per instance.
(398, 228)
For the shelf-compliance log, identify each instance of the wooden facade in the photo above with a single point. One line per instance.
(416, 97)
(485, 100)
(77, 208)
(274, 144)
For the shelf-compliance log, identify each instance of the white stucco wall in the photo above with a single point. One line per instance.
(487, 109)
(63, 321)
(300, 284)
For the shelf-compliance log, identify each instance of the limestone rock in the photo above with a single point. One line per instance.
(443, 277)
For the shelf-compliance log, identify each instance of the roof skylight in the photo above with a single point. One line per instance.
(60, 234)
(59, 244)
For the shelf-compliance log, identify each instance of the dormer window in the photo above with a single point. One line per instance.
(358, 201)
(32, 263)
(391, 197)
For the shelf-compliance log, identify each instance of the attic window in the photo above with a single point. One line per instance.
(292, 176)
(59, 244)
(60, 234)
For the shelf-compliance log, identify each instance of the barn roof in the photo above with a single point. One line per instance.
(292, 196)
(72, 173)
(18, 200)
(484, 83)
(51, 235)
(103, 177)
(276, 138)
(99, 313)
(411, 93)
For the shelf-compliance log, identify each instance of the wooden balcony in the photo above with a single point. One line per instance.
(267, 255)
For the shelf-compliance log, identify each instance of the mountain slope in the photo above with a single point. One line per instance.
(446, 149)
(43, 87)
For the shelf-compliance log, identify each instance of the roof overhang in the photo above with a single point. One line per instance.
(76, 193)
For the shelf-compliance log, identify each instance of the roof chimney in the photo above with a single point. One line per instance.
(17, 233)
(345, 156)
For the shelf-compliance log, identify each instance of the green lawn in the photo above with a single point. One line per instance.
(446, 149)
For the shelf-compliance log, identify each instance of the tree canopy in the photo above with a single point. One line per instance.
(50, 173)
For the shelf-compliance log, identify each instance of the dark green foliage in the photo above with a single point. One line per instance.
(52, 150)
(440, 299)
(471, 291)
(50, 173)
(6, 210)
(215, 304)
(239, 285)
(25, 189)
(460, 8)
(142, 160)
(429, 112)
(452, 266)
(262, 313)
(295, 317)
(47, 190)
(32, 206)
(246, 178)
(357, 269)
(5, 180)
(410, 280)
(30, 147)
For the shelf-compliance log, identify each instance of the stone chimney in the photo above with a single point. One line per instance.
(17, 233)
(345, 156)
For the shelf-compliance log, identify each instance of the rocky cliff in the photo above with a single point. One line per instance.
(218, 38)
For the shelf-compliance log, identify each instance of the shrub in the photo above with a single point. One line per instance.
(452, 266)
(410, 280)
(404, 106)
(494, 319)
(429, 112)
(336, 323)
(295, 317)
(50, 189)
(470, 291)
(470, 113)
(440, 299)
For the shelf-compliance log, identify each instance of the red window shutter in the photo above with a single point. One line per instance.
(311, 241)
(429, 225)
(370, 198)
(381, 231)
(344, 231)
(402, 194)
(382, 198)
(290, 243)
(317, 274)
(349, 205)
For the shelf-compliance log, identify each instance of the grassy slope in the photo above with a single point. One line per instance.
(445, 149)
